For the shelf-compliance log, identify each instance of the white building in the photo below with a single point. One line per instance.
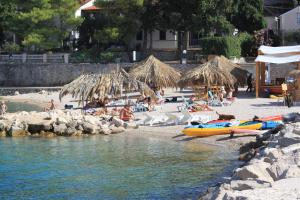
(161, 40)
(290, 21)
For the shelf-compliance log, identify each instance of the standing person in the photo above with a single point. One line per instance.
(249, 83)
(3, 108)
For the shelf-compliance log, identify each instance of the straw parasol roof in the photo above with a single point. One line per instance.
(295, 73)
(154, 71)
(208, 74)
(239, 73)
(108, 82)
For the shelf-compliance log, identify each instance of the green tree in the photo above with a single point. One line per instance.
(45, 24)
(248, 15)
(7, 14)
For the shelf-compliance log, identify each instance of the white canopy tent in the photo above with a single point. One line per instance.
(276, 55)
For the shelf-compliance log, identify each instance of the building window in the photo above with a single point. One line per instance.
(139, 36)
(298, 18)
(162, 35)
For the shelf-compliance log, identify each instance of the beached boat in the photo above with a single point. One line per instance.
(205, 132)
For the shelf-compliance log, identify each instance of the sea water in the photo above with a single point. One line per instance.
(108, 167)
(17, 106)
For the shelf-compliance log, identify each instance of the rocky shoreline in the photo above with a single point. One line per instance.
(58, 123)
(271, 170)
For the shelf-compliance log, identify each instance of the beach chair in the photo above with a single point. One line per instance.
(185, 105)
(172, 119)
(188, 118)
(139, 107)
(150, 120)
(213, 101)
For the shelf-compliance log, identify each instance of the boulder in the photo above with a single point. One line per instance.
(91, 120)
(106, 131)
(42, 126)
(70, 131)
(18, 129)
(2, 126)
(293, 171)
(254, 171)
(46, 134)
(60, 129)
(2, 133)
(61, 120)
(90, 128)
(115, 130)
(291, 148)
(277, 170)
(248, 184)
(77, 133)
(17, 93)
(273, 153)
(117, 122)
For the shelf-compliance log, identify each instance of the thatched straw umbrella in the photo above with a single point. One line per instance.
(154, 71)
(295, 73)
(239, 73)
(207, 74)
(108, 82)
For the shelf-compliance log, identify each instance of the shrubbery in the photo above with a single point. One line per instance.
(240, 45)
(227, 46)
(93, 56)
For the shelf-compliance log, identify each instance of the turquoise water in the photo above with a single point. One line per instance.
(16, 106)
(107, 167)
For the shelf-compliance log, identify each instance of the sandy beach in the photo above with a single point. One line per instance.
(244, 107)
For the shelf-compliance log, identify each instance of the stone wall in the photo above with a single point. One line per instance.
(49, 75)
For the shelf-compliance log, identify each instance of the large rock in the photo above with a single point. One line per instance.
(115, 130)
(60, 129)
(46, 134)
(278, 170)
(2, 133)
(2, 126)
(41, 126)
(18, 129)
(293, 171)
(254, 171)
(61, 120)
(248, 184)
(117, 122)
(91, 120)
(90, 128)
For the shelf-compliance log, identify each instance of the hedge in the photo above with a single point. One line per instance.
(228, 45)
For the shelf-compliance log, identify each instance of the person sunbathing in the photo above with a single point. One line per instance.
(126, 114)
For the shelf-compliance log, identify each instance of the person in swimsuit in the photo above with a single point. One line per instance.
(126, 114)
(51, 106)
(3, 108)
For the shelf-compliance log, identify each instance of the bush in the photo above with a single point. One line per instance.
(11, 48)
(227, 46)
(93, 56)
(107, 57)
(248, 47)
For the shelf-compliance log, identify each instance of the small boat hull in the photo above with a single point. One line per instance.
(206, 132)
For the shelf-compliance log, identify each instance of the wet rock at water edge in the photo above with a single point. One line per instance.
(248, 184)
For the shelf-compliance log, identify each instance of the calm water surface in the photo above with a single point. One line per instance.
(16, 106)
(107, 167)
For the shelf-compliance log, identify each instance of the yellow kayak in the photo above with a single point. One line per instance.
(205, 132)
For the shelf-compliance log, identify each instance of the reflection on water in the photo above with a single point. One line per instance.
(110, 167)
(16, 106)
